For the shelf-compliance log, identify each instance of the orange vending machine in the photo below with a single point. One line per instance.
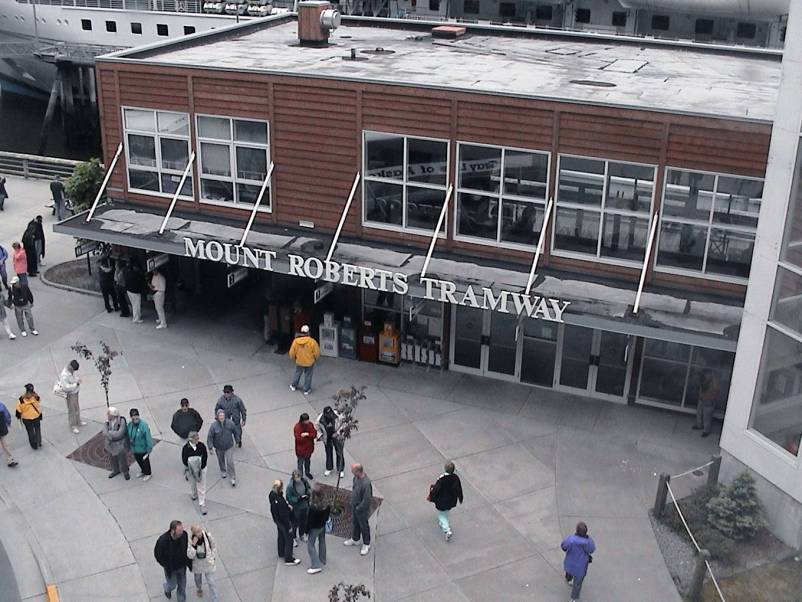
(390, 345)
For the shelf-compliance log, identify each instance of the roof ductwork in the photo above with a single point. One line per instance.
(737, 9)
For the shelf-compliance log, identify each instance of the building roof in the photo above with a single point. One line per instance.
(633, 73)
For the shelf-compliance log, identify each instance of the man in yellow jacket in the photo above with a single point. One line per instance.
(304, 351)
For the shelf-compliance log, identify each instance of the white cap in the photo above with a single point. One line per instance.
(113, 411)
(305, 329)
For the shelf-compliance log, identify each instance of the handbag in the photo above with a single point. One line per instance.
(329, 525)
(431, 491)
(57, 390)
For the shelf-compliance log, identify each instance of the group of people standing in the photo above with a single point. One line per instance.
(26, 257)
(123, 285)
(176, 551)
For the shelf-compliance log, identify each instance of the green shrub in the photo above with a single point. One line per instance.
(720, 546)
(82, 186)
(694, 509)
(736, 511)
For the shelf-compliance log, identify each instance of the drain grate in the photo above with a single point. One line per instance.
(93, 453)
(342, 522)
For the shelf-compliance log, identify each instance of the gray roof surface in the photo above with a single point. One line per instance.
(733, 84)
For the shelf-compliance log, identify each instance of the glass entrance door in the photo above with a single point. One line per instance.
(594, 361)
(466, 348)
(502, 348)
(577, 357)
(485, 342)
(611, 372)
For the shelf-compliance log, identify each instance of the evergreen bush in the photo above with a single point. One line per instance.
(736, 511)
(82, 186)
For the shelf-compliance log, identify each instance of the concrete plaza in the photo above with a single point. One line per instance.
(533, 462)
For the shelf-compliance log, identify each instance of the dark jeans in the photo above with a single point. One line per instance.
(122, 300)
(305, 466)
(34, 428)
(300, 514)
(576, 585)
(176, 579)
(144, 463)
(4, 275)
(361, 528)
(335, 446)
(704, 416)
(109, 297)
(284, 542)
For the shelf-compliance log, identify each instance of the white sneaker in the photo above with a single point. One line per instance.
(448, 535)
(75, 430)
(146, 478)
(35, 332)
(292, 387)
(25, 334)
(364, 551)
(350, 542)
(12, 336)
(294, 543)
(233, 482)
(83, 423)
(140, 475)
(342, 474)
(160, 326)
(326, 473)
(295, 562)
(313, 571)
(307, 392)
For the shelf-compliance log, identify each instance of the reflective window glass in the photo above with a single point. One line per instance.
(682, 245)
(142, 150)
(710, 371)
(171, 181)
(138, 119)
(423, 207)
(215, 159)
(525, 174)
(144, 180)
(737, 201)
(250, 131)
(477, 215)
(384, 202)
(428, 161)
(479, 167)
(576, 230)
(384, 156)
(521, 221)
(217, 190)
(173, 123)
(175, 154)
(792, 240)
(581, 181)
(688, 195)
(630, 187)
(251, 163)
(787, 304)
(248, 193)
(730, 252)
(217, 128)
(624, 237)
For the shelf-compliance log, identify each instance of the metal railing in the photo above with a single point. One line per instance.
(35, 166)
(181, 6)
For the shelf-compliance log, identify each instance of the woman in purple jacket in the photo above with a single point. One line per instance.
(578, 549)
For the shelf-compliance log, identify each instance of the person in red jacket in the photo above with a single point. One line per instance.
(305, 433)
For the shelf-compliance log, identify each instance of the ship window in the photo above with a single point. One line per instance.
(544, 12)
(660, 22)
(189, 29)
(86, 24)
(471, 7)
(111, 26)
(161, 29)
(583, 15)
(136, 28)
(506, 9)
(747, 30)
(434, 5)
(620, 18)
(704, 26)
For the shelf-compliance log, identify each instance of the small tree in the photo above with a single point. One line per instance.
(101, 360)
(736, 511)
(351, 592)
(82, 186)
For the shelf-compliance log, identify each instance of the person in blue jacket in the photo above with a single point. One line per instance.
(140, 442)
(578, 549)
(5, 422)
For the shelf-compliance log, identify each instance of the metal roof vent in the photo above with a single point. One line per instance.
(353, 56)
(378, 50)
(597, 84)
(316, 19)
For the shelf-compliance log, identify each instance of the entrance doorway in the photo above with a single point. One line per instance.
(484, 343)
(593, 361)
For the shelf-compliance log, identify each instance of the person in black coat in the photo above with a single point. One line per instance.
(280, 511)
(445, 494)
(106, 268)
(29, 242)
(135, 287)
(39, 239)
(171, 554)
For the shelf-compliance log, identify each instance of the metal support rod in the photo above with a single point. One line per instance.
(540, 242)
(105, 182)
(178, 191)
(343, 216)
(256, 204)
(436, 231)
(646, 260)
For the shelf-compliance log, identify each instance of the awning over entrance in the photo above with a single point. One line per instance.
(695, 319)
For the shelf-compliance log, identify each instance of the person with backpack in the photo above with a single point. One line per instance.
(116, 433)
(22, 301)
(578, 549)
(330, 426)
(444, 494)
(29, 410)
(5, 304)
(298, 492)
(141, 443)
(5, 423)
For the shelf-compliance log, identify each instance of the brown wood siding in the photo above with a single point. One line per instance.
(232, 99)
(406, 113)
(678, 281)
(110, 123)
(718, 149)
(154, 91)
(634, 139)
(491, 123)
(314, 131)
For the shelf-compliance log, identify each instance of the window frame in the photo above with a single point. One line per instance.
(602, 211)
(405, 184)
(499, 196)
(233, 144)
(159, 170)
(710, 225)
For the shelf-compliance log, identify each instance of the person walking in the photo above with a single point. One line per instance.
(280, 511)
(3, 194)
(135, 288)
(361, 495)
(106, 269)
(319, 513)
(59, 201)
(116, 433)
(22, 300)
(20, 262)
(3, 270)
(5, 423)
(578, 549)
(141, 443)
(194, 456)
(330, 427)
(235, 410)
(69, 385)
(304, 432)
(444, 494)
(170, 552)
(29, 243)
(201, 552)
(222, 438)
(304, 351)
(29, 410)
(186, 420)
(298, 492)
(120, 273)
(709, 389)
(6, 303)
(39, 239)
(158, 284)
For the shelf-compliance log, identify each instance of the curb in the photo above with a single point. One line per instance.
(66, 287)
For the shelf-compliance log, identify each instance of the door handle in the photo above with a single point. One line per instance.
(485, 340)
(594, 360)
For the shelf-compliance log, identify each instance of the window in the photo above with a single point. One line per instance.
(234, 158)
(136, 28)
(157, 150)
(747, 30)
(704, 26)
(501, 194)
(470, 7)
(161, 29)
(434, 5)
(111, 26)
(506, 9)
(619, 18)
(603, 208)
(544, 12)
(582, 15)
(86, 24)
(708, 222)
(189, 30)
(405, 180)
(660, 22)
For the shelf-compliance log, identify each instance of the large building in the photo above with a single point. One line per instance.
(598, 202)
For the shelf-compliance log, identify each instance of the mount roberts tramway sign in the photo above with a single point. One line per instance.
(335, 272)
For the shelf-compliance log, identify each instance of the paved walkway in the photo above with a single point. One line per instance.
(532, 462)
